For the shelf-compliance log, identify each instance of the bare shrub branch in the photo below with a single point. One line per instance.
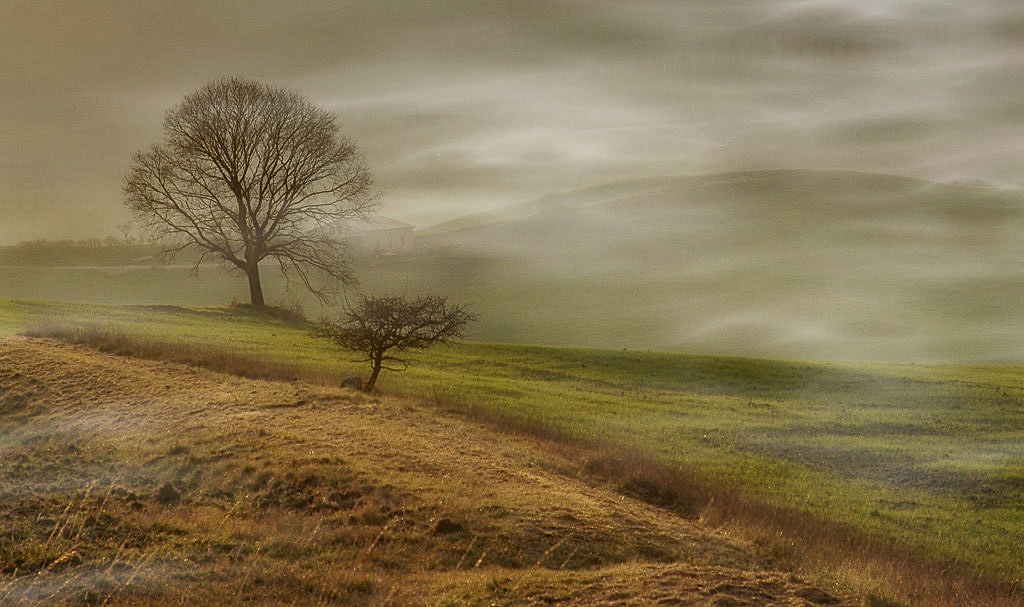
(379, 327)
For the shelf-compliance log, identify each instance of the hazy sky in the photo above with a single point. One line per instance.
(464, 106)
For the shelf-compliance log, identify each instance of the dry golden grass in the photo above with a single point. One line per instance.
(790, 539)
(132, 482)
(796, 541)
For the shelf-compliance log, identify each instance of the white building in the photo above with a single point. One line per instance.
(378, 235)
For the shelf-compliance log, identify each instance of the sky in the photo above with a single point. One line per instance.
(465, 106)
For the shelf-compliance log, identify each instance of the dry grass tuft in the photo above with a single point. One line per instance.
(111, 341)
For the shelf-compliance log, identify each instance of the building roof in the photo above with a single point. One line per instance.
(376, 223)
(372, 224)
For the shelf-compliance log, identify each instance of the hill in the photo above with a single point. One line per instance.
(813, 264)
(130, 482)
(901, 481)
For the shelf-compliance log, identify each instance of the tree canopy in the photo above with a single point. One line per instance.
(248, 172)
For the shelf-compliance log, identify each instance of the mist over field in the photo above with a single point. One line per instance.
(796, 264)
(527, 110)
(805, 264)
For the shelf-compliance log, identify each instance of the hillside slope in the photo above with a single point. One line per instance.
(806, 264)
(130, 482)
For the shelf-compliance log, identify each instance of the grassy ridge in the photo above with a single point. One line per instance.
(129, 482)
(928, 457)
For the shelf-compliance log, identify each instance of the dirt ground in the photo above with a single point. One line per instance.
(130, 482)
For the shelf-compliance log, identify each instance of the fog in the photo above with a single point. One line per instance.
(780, 263)
(522, 108)
(466, 106)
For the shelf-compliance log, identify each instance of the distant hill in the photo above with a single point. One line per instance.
(822, 264)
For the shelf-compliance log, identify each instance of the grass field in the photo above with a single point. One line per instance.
(129, 482)
(925, 460)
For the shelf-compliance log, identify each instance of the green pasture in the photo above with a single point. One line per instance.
(929, 455)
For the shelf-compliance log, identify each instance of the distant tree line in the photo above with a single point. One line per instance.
(89, 251)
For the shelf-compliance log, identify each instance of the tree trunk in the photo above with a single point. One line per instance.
(255, 288)
(372, 380)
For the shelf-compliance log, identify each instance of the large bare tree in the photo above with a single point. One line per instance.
(248, 172)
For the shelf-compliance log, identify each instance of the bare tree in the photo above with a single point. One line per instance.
(380, 327)
(126, 229)
(248, 172)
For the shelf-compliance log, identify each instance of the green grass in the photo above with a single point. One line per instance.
(930, 457)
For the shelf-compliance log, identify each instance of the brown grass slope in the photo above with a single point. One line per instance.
(130, 482)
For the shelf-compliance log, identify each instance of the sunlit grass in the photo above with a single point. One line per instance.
(929, 458)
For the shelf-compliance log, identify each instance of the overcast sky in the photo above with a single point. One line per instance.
(465, 106)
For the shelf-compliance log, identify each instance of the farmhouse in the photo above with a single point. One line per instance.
(377, 235)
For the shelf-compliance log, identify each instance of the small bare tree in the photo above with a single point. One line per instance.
(380, 327)
(248, 172)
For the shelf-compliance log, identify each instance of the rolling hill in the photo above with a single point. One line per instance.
(895, 481)
(130, 482)
(809, 264)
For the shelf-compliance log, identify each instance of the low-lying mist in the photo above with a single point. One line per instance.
(772, 263)
(793, 264)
